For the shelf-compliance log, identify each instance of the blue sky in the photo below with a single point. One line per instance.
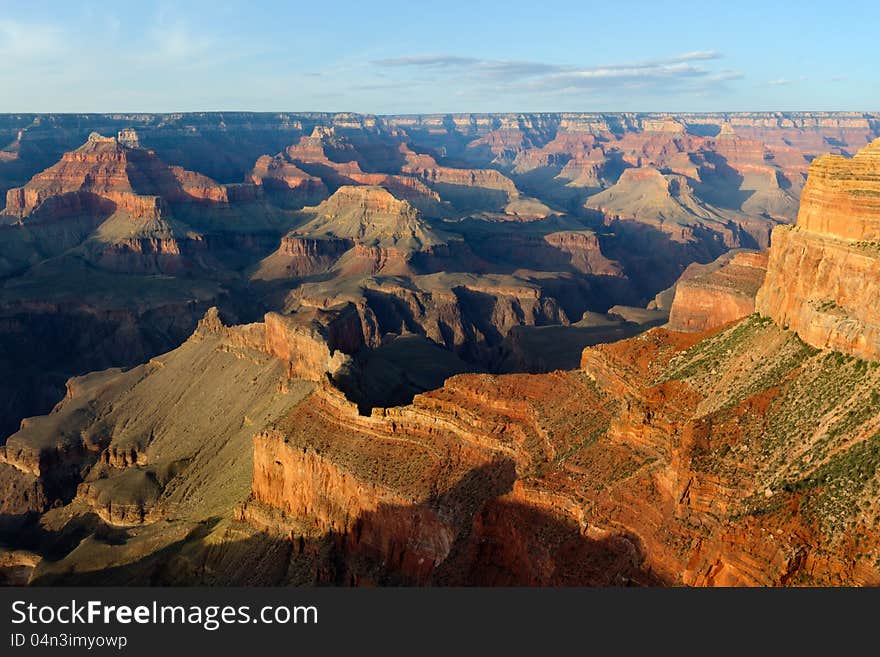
(425, 56)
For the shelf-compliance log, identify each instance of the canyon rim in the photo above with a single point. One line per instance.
(555, 349)
(419, 341)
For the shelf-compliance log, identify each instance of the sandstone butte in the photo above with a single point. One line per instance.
(104, 166)
(823, 277)
(747, 453)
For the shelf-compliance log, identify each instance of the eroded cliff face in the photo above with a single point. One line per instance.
(428, 493)
(315, 344)
(735, 455)
(822, 277)
(317, 497)
(111, 460)
(740, 457)
(128, 176)
(282, 178)
(718, 297)
(700, 459)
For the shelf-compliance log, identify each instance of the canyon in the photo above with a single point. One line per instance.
(561, 349)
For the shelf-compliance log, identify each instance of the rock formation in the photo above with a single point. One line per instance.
(708, 300)
(277, 175)
(669, 203)
(373, 217)
(358, 430)
(821, 278)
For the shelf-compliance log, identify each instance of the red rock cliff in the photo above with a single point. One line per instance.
(823, 277)
(719, 297)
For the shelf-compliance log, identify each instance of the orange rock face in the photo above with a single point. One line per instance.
(130, 177)
(822, 275)
(427, 493)
(374, 521)
(647, 467)
(313, 347)
(584, 251)
(842, 196)
(277, 174)
(337, 442)
(722, 296)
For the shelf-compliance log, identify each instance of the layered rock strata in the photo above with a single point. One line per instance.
(822, 277)
(716, 298)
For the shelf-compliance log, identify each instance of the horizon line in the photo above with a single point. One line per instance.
(441, 113)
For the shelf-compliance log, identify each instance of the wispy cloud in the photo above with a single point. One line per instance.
(428, 61)
(727, 75)
(178, 42)
(20, 40)
(671, 74)
(698, 55)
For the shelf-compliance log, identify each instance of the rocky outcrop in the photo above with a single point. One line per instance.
(315, 346)
(442, 507)
(735, 455)
(132, 178)
(469, 315)
(315, 496)
(719, 297)
(133, 199)
(840, 199)
(463, 188)
(665, 201)
(585, 252)
(371, 216)
(301, 256)
(670, 459)
(111, 449)
(821, 278)
(359, 231)
(277, 175)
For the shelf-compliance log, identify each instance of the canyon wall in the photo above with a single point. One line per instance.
(822, 276)
(709, 300)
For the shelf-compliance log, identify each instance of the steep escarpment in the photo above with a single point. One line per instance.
(427, 493)
(712, 299)
(147, 216)
(840, 199)
(370, 216)
(693, 459)
(743, 457)
(114, 455)
(118, 172)
(468, 314)
(669, 202)
(288, 182)
(822, 274)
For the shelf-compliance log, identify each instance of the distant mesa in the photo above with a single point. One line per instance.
(371, 216)
(361, 229)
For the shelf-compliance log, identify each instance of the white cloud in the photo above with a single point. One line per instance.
(687, 69)
(428, 61)
(21, 41)
(175, 41)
